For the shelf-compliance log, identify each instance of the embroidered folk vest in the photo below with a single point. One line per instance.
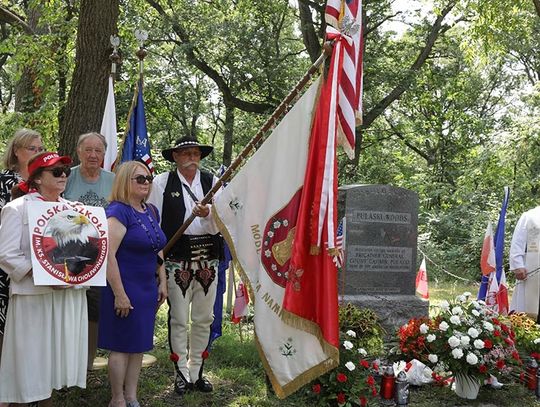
(174, 212)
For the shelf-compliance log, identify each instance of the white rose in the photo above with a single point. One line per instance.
(457, 353)
(350, 366)
(427, 372)
(461, 298)
(455, 320)
(443, 326)
(362, 351)
(351, 333)
(457, 311)
(472, 359)
(481, 302)
(488, 325)
(347, 345)
(453, 341)
(431, 338)
(465, 340)
(479, 344)
(444, 305)
(473, 332)
(433, 358)
(467, 294)
(424, 329)
(536, 341)
(475, 313)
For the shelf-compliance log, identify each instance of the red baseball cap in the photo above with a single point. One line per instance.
(47, 159)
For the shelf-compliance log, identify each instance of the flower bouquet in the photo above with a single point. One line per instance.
(352, 382)
(466, 339)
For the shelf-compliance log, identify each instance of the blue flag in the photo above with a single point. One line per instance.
(498, 242)
(136, 144)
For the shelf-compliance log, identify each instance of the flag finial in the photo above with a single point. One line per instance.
(115, 57)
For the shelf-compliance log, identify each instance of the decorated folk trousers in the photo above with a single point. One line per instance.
(192, 292)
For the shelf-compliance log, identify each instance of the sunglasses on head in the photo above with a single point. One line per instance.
(141, 179)
(58, 171)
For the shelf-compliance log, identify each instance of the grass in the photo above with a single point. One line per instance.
(239, 379)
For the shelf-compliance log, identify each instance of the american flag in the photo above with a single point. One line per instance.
(346, 16)
(338, 259)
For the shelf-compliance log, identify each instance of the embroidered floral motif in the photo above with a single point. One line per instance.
(205, 276)
(183, 279)
(287, 349)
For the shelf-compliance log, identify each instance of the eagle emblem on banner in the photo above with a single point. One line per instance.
(278, 239)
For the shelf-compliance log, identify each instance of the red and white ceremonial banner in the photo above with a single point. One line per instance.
(257, 213)
(69, 243)
(487, 257)
(422, 287)
(346, 17)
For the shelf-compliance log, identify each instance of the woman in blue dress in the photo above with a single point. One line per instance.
(132, 296)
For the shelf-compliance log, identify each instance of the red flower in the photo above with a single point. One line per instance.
(505, 328)
(496, 321)
(316, 388)
(341, 398)
(370, 380)
(363, 401)
(488, 344)
(374, 391)
(375, 366)
(497, 333)
(341, 378)
(509, 341)
(364, 363)
(500, 364)
(205, 354)
(482, 368)
(174, 357)
(535, 355)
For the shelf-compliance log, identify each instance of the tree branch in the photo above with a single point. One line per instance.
(395, 93)
(9, 17)
(192, 56)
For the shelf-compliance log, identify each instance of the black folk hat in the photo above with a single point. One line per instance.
(186, 142)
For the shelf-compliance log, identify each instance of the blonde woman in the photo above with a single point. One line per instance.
(23, 145)
(132, 296)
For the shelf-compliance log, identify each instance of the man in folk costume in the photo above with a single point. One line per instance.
(192, 262)
(524, 262)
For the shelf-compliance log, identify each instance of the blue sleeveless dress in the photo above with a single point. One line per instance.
(137, 261)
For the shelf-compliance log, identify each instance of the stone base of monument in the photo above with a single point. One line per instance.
(392, 310)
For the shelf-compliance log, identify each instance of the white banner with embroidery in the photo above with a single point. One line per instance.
(69, 243)
(257, 214)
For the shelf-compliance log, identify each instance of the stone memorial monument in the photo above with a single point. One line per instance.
(379, 271)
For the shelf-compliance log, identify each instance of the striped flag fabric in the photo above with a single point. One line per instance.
(346, 17)
(340, 255)
(493, 287)
(136, 144)
(108, 128)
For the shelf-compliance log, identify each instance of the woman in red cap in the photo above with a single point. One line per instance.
(45, 341)
(23, 145)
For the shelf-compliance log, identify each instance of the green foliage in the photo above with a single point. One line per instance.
(365, 323)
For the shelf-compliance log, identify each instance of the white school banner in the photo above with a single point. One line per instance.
(69, 243)
(257, 214)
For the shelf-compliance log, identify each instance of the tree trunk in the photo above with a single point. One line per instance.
(88, 93)
(27, 93)
(228, 134)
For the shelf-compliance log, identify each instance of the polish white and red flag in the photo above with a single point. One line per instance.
(345, 16)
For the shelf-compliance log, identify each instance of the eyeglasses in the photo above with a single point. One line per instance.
(58, 171)
(35, 149)
(141, 179)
